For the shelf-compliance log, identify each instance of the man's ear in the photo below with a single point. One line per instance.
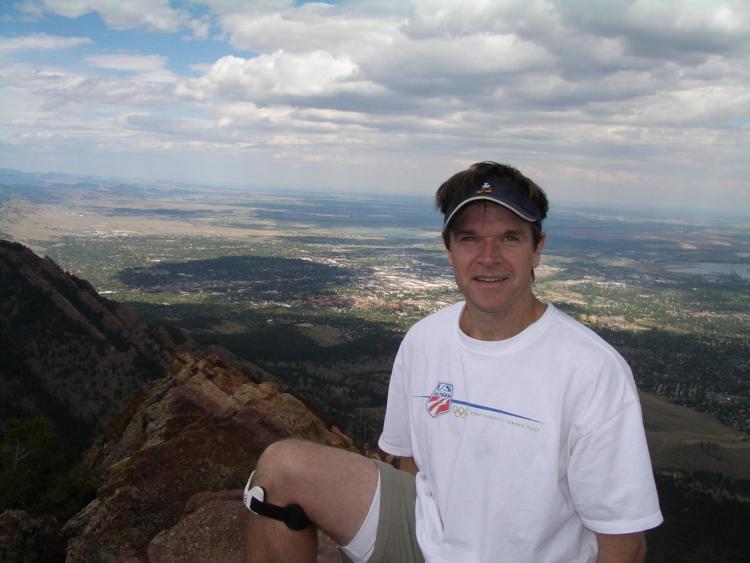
(538, 250)
(447, 243)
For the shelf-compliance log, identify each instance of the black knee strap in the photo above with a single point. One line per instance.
(293, 515)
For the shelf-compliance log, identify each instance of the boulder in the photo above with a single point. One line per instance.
(171, 470)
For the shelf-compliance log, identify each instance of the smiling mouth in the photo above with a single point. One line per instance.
(489, 279)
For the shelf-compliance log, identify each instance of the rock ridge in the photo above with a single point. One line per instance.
(69, 353)
(177, 467)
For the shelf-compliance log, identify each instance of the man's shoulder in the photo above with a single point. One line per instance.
(447, 315)
(444, 319)
(581, 340)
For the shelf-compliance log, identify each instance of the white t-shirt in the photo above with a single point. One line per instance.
(525, 446)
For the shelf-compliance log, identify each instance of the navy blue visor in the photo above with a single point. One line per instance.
(502, 192)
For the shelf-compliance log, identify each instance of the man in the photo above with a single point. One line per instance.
(522, 427)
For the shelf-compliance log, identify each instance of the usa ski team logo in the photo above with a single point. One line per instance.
(440, 400)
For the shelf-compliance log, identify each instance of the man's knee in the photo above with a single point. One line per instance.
(281, 467)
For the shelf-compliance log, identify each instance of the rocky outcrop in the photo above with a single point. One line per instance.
(68, 353)
(205, 533)
(29, 539)
(173, 464)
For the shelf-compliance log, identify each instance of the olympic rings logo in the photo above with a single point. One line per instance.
(460, 412)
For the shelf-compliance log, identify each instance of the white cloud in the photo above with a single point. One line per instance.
(200, 28)
(247, 114)
(148, 68)
(470, 64)
(582, 92)
(137, 63)
(702, 104)
(281, 74)
(457, 18)
(155, 15)
(59, 93)
(40, 41)
(598, 176)
(666, 27)
(309, 27)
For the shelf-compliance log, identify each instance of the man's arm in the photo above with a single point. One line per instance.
(407, 464)
(621, 548)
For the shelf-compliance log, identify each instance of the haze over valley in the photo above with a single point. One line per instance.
(319, 288)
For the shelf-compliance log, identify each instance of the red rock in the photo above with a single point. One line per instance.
(201, 429)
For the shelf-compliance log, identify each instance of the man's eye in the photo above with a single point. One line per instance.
(512, 237)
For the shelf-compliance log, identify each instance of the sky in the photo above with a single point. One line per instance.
(639, 102)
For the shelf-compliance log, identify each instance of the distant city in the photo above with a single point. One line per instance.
(319, 288)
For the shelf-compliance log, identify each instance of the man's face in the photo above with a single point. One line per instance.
(492, 253)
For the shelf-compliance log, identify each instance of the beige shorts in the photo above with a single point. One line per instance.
(388, 532)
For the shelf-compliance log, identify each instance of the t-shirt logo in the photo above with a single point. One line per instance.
(440, 400)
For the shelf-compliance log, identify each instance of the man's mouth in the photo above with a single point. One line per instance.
(489, 279)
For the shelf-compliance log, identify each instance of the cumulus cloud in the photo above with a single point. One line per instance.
(201, 28)
(148, 68)
(667, 28)
(501, 54)
(618, 90)
(139, 63)
(61, 93)
(40, 41)
(154, 15)
(278, 74)
(308, 27)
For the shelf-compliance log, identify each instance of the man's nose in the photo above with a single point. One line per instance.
(490, 251)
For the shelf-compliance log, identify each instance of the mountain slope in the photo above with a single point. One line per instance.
(681, 438)
(68, 353)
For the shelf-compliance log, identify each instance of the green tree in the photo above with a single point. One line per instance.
(38, 472)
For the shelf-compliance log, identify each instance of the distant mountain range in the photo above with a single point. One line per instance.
(9, 177)
(41, 186)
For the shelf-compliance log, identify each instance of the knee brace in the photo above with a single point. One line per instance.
(255, 500)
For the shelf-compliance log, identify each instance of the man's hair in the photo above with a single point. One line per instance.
(454, 190)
